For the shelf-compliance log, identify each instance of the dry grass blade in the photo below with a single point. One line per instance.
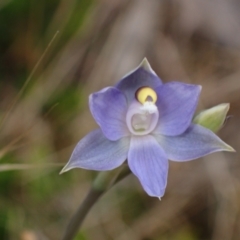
(27, 81)
(17, 166)
(12, 145)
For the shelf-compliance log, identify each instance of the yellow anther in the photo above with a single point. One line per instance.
(146, 94)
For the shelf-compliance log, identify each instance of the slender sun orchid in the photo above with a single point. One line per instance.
(144, 122)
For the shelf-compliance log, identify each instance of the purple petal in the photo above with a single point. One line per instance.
(146, 65)
(149, 163)
(96, 152)
(142, 76)
(176, 103)
(196, 142)
(109, 107)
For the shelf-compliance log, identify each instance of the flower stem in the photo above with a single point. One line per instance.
(103, 182)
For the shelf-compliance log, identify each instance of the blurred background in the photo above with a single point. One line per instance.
(53, 54)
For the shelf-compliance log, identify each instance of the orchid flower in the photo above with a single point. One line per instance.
(144, 122)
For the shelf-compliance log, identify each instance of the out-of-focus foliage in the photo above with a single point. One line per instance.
(42, 117)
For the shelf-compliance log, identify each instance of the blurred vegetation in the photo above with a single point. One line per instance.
(53, 54)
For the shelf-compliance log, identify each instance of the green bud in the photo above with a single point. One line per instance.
(213, 118)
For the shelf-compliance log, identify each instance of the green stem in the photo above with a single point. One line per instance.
(102, 183)
(77, 219)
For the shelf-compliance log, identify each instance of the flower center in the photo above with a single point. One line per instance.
(142, 115)
(146, 94)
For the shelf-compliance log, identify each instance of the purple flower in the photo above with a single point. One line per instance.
(146, 122)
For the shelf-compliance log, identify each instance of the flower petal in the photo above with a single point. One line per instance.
(146, 65)
(149, 163)
(142, 76)
(95, 152)
(109, 107)
(176, 103)
(196, 142)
